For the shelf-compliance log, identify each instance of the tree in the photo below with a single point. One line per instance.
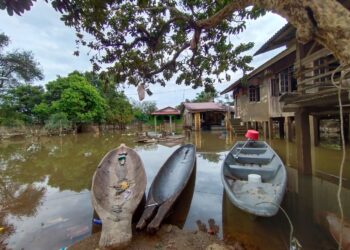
(146, 107)
(147, 38)
(207, 95)
(74, 96)
(161, 32)
(22, 100)
(143, 110)
(17, 66)
(119, 109)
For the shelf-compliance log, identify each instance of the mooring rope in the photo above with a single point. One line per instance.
(341, 169)
(294, 244)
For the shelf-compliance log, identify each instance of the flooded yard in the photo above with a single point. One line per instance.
(45, 191)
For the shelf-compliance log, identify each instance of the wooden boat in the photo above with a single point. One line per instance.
(166, 187)
(172, 138)
(146, 140)
(118, 186)
(254, 178)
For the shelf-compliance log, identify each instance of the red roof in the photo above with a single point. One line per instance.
(203, 106)
(166, 111)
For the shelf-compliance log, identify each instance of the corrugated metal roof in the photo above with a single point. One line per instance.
(231, 87)
(260, 69)
(203, 106)
(279, 39)
(167, 111)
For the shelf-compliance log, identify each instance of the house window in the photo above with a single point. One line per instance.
(287, 82)
(254, 93)
(320, 65)
(323, 66)
(275, 90)
(284, 81)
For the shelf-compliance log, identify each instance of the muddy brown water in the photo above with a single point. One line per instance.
(45, 198)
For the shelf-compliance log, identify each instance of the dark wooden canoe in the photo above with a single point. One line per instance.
(166, 187)
(256, 159)
(118, 186)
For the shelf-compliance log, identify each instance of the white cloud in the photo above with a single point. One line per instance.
(41, 31)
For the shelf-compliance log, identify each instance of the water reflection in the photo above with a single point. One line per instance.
(45, 197)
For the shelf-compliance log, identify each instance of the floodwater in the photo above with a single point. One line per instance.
(45, 191)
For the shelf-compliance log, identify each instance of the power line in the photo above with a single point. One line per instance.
(168, 91)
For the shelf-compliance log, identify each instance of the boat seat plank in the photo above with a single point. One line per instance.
(242, 172)
(256, 151)
(264, 158)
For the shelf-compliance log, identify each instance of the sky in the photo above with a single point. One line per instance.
(42, 32)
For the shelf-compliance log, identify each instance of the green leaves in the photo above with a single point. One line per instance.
(149, 41)
(79, 100)
(17, 65)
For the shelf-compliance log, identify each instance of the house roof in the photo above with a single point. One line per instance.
(167, 111)
(203, 106)
(279, 39)
(231, 87)
(260, 69)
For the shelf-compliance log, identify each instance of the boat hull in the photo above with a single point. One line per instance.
(118, 186)
(255, 197)
(166, 187)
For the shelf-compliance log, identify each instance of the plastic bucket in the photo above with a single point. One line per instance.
(254, 178)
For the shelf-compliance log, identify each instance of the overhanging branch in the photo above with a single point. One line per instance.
(169, 63)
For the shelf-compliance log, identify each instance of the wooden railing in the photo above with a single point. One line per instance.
(314, 72)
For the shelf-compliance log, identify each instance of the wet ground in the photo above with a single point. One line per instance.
(45, 200)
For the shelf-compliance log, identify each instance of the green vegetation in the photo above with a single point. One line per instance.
(143, 110)
(207, 95)
(16, 66)
(69, 102)
(189, 41)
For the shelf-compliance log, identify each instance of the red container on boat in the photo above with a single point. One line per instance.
(252, 135)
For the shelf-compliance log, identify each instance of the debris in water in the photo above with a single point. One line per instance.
(17, 157)
(97, 221)
(213, 228)
(77, 231)
(201, 226)
(87, 154)
(33, 148)
(53, 222)
(53, 150)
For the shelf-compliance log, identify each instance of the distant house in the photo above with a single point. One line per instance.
(206, 115)
(166, 115)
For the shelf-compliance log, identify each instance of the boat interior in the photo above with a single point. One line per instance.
(171, 179)
(254, 158)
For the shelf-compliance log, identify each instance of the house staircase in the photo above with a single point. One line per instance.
(237, 128)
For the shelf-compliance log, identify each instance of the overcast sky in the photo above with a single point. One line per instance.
(41, 31)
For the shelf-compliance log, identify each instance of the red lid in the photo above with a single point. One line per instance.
(252, 134)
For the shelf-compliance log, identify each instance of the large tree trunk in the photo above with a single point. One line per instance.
(326, 21)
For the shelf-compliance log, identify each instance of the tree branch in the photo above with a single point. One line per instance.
(169, 63)
(225, 12)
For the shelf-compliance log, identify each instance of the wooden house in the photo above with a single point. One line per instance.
(292, 92)
(167, 117)
(206, 116)
(257, 95)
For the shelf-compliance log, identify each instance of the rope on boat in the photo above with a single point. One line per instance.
(152, 204)
(294, 244)
(341, 169)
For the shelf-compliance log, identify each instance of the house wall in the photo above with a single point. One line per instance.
(268, 107)
(253, 111)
